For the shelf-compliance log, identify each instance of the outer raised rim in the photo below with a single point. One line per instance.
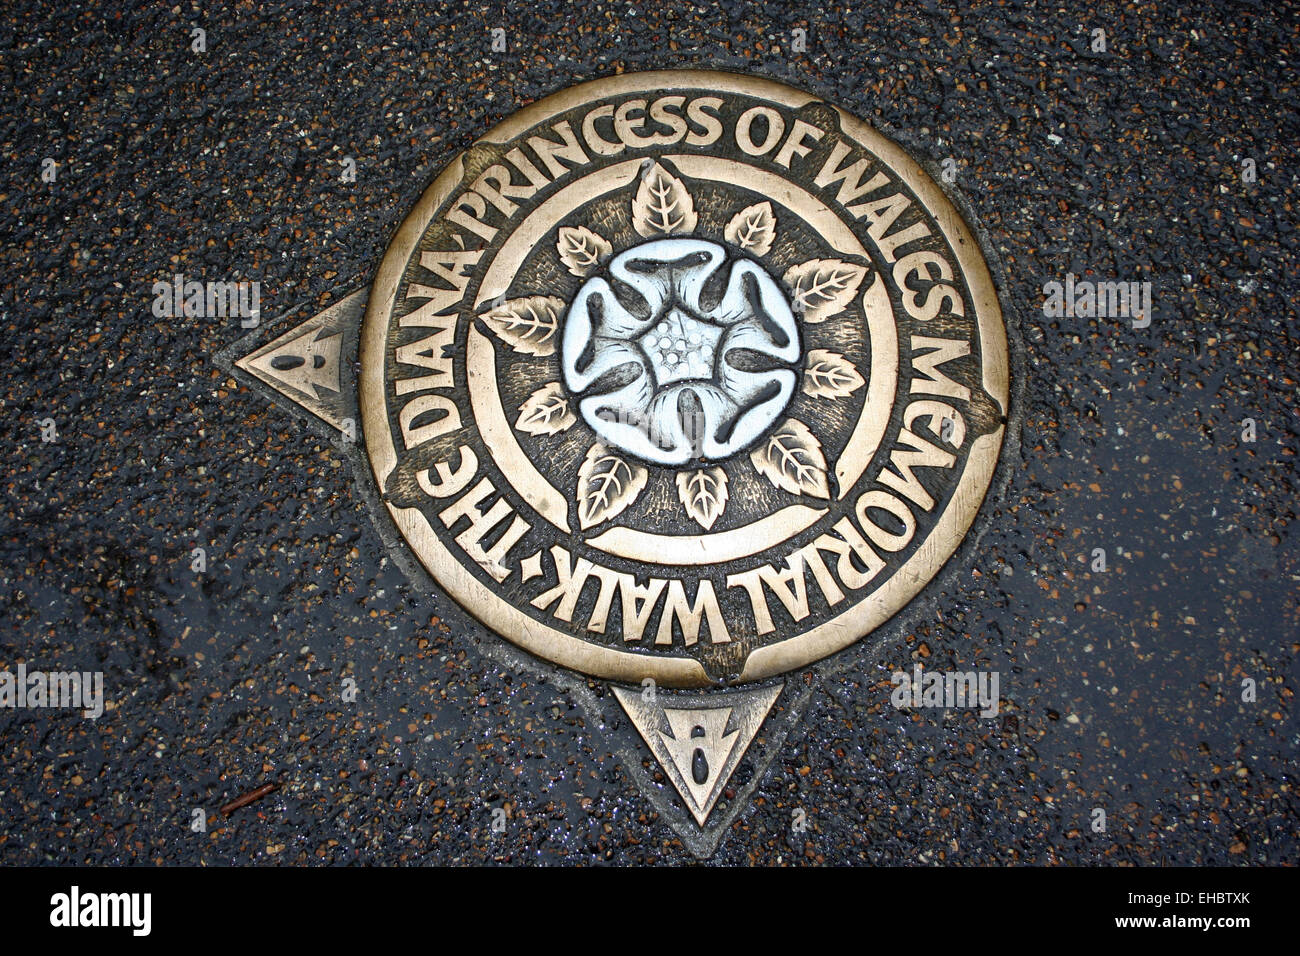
(608, 663)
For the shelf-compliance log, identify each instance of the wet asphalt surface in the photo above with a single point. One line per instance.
(1122, 689)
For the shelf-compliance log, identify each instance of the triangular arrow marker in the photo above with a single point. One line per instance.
(699, 747)
(303, 365)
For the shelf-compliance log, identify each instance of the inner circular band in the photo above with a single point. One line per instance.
(692, 550)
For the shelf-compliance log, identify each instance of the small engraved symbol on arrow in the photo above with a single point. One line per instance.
(699, 747)
(308, 363)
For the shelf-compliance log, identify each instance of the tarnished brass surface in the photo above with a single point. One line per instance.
(684, 376)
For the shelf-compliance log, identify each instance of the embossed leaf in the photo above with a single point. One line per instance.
(527, 325)
(823, 288)
(753, 229)
(704, 493)
(662, 206)
(581, 250)
(830, 375)
(545, 412)
(606, 485)
(791, 458)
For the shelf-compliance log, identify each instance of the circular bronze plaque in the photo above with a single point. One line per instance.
(686, 376)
